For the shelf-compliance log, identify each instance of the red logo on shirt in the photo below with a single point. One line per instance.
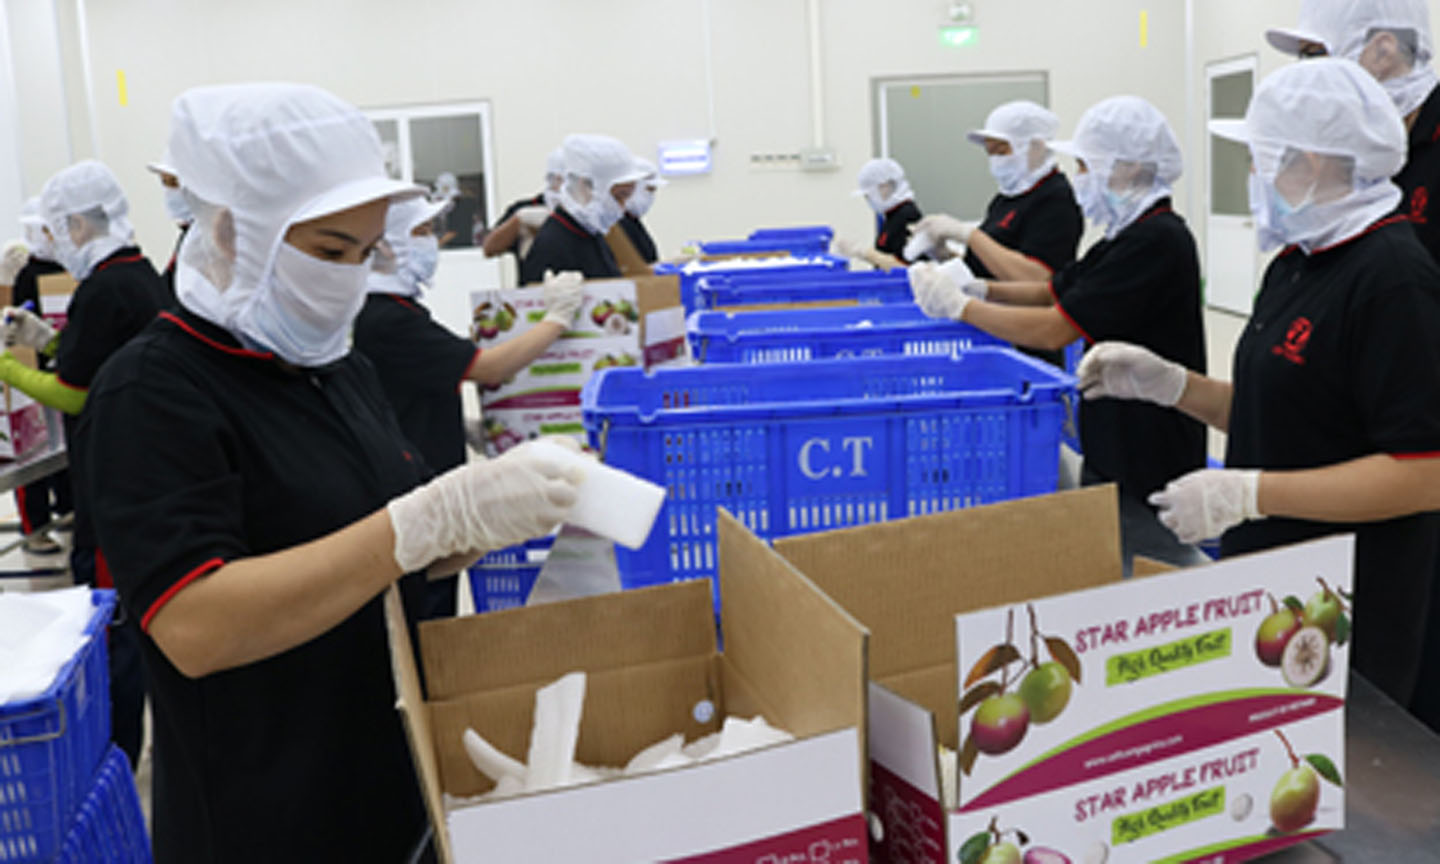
(1008, 220)
(880, 241)
(1419, 202)
(1296, 338)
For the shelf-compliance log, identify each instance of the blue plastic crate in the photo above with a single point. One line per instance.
(503, 578)
(800, 268)
(797, 447)
(51, 745)
(866, 287)
(1074, 353)
(110, 826)
(819, 233)
(798, 245)
(792, 336)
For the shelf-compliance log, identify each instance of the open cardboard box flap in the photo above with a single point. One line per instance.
(791, 655)
(906, 580)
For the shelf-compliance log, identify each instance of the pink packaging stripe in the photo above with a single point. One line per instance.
(1183, 732)
(914, 823)
(531, 401)
(1249, 851)
(841, 841)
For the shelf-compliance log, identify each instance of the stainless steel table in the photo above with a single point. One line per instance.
(41, 462)
(1392, 788)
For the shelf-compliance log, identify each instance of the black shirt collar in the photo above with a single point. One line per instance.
(569, 223)
(1426, 130)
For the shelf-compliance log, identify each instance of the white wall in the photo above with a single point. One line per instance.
(633, 69)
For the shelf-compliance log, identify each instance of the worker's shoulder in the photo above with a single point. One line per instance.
(1391, 254)
(161, 355)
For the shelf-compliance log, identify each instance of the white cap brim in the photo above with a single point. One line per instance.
(161, 168)
(629, 177)
(980, 136)
(432, 210)
(1066, 148)
(1231, 130)
(1287, 40)
(355, 193)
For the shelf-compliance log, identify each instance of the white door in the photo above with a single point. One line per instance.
(1230, 253)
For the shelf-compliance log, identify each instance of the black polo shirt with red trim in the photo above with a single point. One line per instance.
(894, 230)
(421, 366)
(227, 454)
(563, 244)
(1141, 287)
(1042, 223)
(119, 298)
(1419, 180)
(640, 237)
(1339, 361)
(116, 301)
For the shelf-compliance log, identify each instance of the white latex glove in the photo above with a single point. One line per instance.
(564, 293)
(943, 227)
(919, 244)
(937, 295)
(959, 275)
(847, 248)
(484, 505)
(23, 327)
(12, 259)
(1204, 503)
(533, 217)
(1124, 371)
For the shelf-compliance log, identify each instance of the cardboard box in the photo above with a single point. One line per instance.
(623, 322)
(56, 290)
(23, 426)
(905, 581)
(790, 655)
(1164, 726)
(626, 255)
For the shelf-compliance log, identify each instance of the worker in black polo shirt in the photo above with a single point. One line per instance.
(262, 496)
(600, 174)
(38, 502)
(882, 183)
(515, 230)
(117, 295)
(422, 364)
(1141, 284)
(1333, 418)
(639, 204)
(1392, 40)
(1032, 226)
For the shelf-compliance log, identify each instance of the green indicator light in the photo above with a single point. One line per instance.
(957, 37)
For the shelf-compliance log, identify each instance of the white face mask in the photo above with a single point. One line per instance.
(1091, 197)
(640, 201)
(1268, 234)
(39, 242)
(421, 259)
(176, 207)
(80, 261)
(1010, 172)
(310, 307)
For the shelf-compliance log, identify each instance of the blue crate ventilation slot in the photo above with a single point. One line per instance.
(792, 336)
(504, 578)
(799, 268)
(799, 447)
(109, 826)
(865, 287)
(51, 745)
